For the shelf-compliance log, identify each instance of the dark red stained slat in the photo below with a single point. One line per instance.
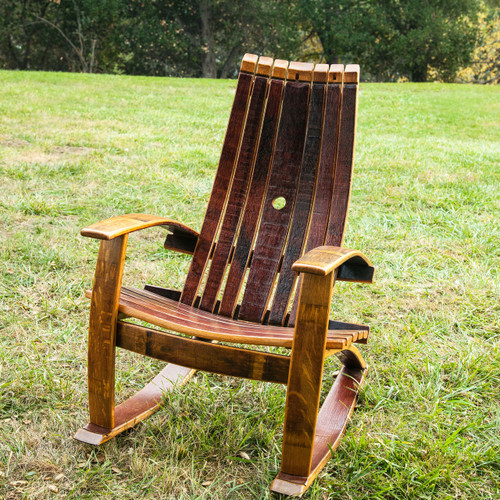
(274, 224)
(303, 205)
(255, 198)
(343, 172)
(334, 414)
(326, 174)
(221, 185)
(237, 195)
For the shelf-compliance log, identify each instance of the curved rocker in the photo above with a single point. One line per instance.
(138, 407)
(330, 426)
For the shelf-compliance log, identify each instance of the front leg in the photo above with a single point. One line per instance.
(306, 373)
(102, 330)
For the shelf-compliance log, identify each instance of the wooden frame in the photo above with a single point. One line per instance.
(291, 137)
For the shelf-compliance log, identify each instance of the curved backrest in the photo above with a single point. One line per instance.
(282, 187)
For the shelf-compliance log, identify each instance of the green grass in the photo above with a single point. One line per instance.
(75, 149)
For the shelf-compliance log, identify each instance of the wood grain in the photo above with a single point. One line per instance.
(274, 225)
(124, 224)
(332, 422)
(237, 195)
(326, 174)
(343, 171)
(224, 360)
(258, 187)
(306, 373)
(320, 73)
(102, 330)
(221, 185)
(303, 205)
(249, 63)
(334, 416)
(336, 73)
(280, 69)
(178, 317)
(138, 407)
(323, 260)
(300, 71)
(264, 66)
(351, 73)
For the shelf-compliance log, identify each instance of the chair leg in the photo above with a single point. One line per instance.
(106, 421)
(330, 425)
(102, 330)
(307, 436)
(304, 382)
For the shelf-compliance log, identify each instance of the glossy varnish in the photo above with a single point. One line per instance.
(263, 269)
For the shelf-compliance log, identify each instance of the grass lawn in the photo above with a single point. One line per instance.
(75, 149)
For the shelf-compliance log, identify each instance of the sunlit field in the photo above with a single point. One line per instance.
(75, 149)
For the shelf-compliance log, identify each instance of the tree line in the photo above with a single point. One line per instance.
(416, 40)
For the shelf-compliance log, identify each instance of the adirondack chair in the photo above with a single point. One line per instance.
(276, 216)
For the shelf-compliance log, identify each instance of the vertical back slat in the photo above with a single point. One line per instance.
(273, 229)
(237, 195)
(326, 173)
(345, 159)
(328, 162)
(253, 207)
(303, 203)
(221, 184)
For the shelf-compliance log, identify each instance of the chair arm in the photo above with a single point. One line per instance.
(351, 265)
(183, 238)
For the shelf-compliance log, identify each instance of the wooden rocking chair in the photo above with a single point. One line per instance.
(277, 210)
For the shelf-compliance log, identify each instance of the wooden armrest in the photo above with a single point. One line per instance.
(124, 224)
(352, 265)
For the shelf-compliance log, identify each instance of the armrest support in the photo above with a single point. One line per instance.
(352, 265)
(182, 237)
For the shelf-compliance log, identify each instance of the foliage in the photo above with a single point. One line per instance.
(23, 40)
(181, 37)
(392, 39)
(67, 35)
(204, 38)
(396, 38)
(485, 64)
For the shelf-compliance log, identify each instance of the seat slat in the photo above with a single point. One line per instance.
(237, 195)
(273, 229)
(222, 182)
(172, 315)
(253, 207)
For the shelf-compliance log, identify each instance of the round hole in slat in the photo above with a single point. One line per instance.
(279, 203)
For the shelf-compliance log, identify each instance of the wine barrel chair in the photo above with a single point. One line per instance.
(274, 224)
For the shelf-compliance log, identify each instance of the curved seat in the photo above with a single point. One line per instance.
(171, 315)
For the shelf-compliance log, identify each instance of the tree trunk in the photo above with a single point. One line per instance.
(13, 52)
(419, 73)
(224, 73)
(208, 64)
(329, 52)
